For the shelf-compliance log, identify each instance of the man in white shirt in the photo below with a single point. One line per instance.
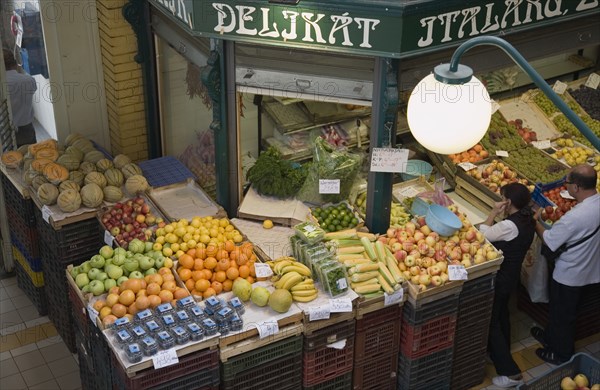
(21, 88)
(575, 268)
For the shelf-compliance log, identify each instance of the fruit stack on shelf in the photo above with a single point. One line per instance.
(471, 336)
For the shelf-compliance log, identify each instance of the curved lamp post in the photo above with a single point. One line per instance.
(450, 110)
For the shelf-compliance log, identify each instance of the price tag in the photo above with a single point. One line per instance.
(389, 160)
(319, 313)
(457, 272)
(565, 194)
(409, 192)
(340, 305)
(559, 87)
(502, 153)
(267, 328)
(329, 186)
(467, 166)
(108, 238)
(92, 313)
(165, 358)
(262, 270)
(393, 298)
(545, 144)
(341, 284)
(495, 106)
(593, 81)
(46, 213)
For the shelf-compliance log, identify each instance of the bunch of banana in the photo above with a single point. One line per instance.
(295, 277)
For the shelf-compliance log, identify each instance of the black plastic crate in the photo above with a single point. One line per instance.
(481, 285)
(429, 372)
(60, 314)
(377, 333)
(328, 335)
(23, 207)
(25, 234)
(37, 295)
(56, 266)
(378, 373)
(90, 378)
(468, 370)
(101, 356)
(342, 382)
(441, 307)
(35, 262)
(166, 170)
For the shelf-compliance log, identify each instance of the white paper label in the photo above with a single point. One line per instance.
(457, 272)
(389, 160)
(545, 144)
(341, 284)
(92, 313)
(593, 81)
(495, 106)
(467, 166)
(108, 238)
(46, 213)
(267, 328)
(565, 194)
(262, 270)
(502, 153)
(393, 298)
(559, 87)
(319, 313)
(340, 305)
(329, 186)
(409, 192)
(165, 358)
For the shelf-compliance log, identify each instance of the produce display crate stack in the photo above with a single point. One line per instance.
(427, 343)
(275, 366)
(100, 354)
(472, 326)
(588, 315)
(376, 345)
(71, 243)
(328, 355)
(31, 282)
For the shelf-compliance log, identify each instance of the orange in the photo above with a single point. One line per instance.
(141, 293)
(154, 300)
(252, 269)
(198, 264)
(119, 310)
(165, 296)
(198, 274)
(105, 311)
(211, 250)
(209, 292)
(222, 254)
(242, 259)
(202, 285)
(142, 303)
(223, 264)
(217, 286)
(185, 273)
(229, 245)
(250, 279)
(169, 285)
(227, 285)
(168, 277)
(210, 263)
(132, 309)
(114, 290)
(164, 270)
(111, 299)
(235, 253)
(108, 320)
(247, 249)
(232, 273)
(220, 276)
(155, 278)
(201, 253)
(190, 283)
(207, 274)
(99, 304)
(180, 293)
(244, 271)
(191, 252)
(233, 264)
(186, 261)
(127, 297)
(153, 289)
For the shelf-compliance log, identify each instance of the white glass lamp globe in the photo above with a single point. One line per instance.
(449, 118)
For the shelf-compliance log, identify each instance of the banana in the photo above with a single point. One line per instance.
(297, 267)
(303, 286)
(292, 281)
(304, 299)
(284, 258)
(307, 293)
(278, 267)
(283, 279)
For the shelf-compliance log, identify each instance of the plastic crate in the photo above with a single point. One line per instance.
(25, 234)
(54, 267)
(441, 307)
(23, 207)
(538, 197)
(421, 340)
(475, 287)
(324, 363)
(342, 382)
(87, 374)
(60, 314)
(259, 356)
(101, 356)
(79, 312)
(284, 373)
(328, 335)
(166, 170)
(580, 363)
(468, 370)
(378, 373)
(429, 372)
(37, 295)
(37, 278)
(199, 368)
(377, 333)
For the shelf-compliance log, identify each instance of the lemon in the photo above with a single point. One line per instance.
(167, 252)
(267, 224)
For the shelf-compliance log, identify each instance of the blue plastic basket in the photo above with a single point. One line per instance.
(164, 171)
(580, 363)
(442, 221)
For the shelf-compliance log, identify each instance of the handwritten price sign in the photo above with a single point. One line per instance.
(388, 160)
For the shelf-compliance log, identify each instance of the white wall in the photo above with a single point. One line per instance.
(42, 105)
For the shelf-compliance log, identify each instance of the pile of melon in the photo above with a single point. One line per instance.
(78, 174)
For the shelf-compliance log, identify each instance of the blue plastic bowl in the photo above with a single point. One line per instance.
(419, 207)
(442, 221)
(416, 168)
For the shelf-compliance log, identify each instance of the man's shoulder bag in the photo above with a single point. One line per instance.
(551, 255)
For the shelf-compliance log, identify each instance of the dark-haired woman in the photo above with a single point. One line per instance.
(513, 236)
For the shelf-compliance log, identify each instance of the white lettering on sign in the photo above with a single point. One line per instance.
(318, 27)
(178, 9)
(493, 16)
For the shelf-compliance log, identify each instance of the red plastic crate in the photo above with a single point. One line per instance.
(421, 340)
(324, 363)
(378, 373)
(205, 361)
(377, 335)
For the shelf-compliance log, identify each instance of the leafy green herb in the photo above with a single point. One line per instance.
(273, 176)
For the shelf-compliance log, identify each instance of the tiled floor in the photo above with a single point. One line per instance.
(33, 356)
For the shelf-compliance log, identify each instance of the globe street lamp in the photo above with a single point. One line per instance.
(450, 110)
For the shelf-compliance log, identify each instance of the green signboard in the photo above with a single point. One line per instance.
(375, 28)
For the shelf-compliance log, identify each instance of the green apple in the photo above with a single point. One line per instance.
(109, 283)
(85, 267)
(82, 280)
(74, 272)
(97, 261)
(86, 289)
(93, 273)
(146, 262)
(159, 261)
(114, 271)
(102, 276)
(119, 258)
(136, 275)
(121, 280)
(131, 265)
(96, 287)
(119, 251)
(150, 271)
(106, 252)
(148, 246)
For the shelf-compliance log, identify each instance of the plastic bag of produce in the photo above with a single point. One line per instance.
(329, 164)
(437, 196)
